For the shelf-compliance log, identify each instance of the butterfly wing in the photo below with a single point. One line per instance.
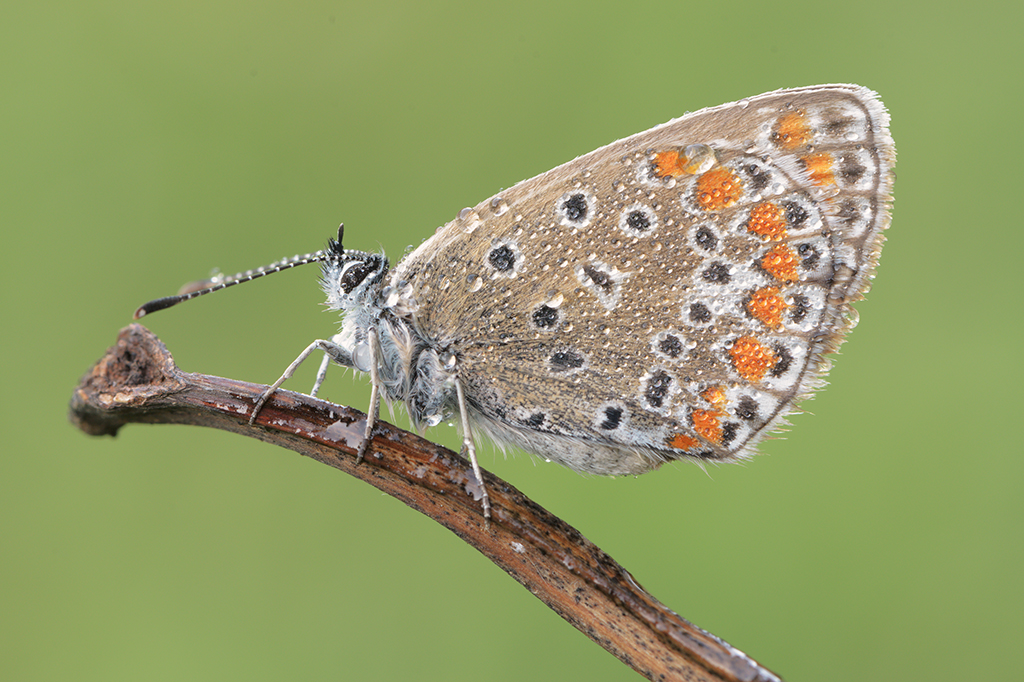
(670, 295)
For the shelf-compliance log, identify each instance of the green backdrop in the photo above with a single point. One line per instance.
(145, 144)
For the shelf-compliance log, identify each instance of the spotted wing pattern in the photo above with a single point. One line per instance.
(671, 295)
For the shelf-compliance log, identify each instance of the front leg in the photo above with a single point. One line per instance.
(332, 351)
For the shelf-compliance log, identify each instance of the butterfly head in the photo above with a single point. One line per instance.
(351, 279)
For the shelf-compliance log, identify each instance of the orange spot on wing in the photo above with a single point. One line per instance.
(780, 263)
(751, 359)
(708, 425)
(683, 442)
(768, 220)
(669, 164)
(718, 189)
(674, 164)
(792, 131)
(819, 167)
(714, 395)
(767, 305)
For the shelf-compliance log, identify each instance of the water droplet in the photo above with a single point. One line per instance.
(499, 206)
(361, 357)
(700, 158)
(852, 317)
(475, 282)
(470, 220)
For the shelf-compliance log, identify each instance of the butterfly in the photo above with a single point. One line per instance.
(672, 295)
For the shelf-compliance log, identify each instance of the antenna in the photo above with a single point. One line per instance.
(195, 289)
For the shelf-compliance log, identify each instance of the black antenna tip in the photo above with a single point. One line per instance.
(158, 304)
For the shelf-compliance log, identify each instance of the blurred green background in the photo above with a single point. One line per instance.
(145, 144)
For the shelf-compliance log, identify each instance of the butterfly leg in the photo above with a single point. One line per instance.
(333, 350)
(373, 412)
(469, 449)
(322, 372)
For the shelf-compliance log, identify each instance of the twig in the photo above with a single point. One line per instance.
(137, 381)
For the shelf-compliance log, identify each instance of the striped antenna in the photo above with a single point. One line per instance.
(195, 289)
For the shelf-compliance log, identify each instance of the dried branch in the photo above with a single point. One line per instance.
(137, 381)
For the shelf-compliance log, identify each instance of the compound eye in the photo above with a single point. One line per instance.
(354, 273)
